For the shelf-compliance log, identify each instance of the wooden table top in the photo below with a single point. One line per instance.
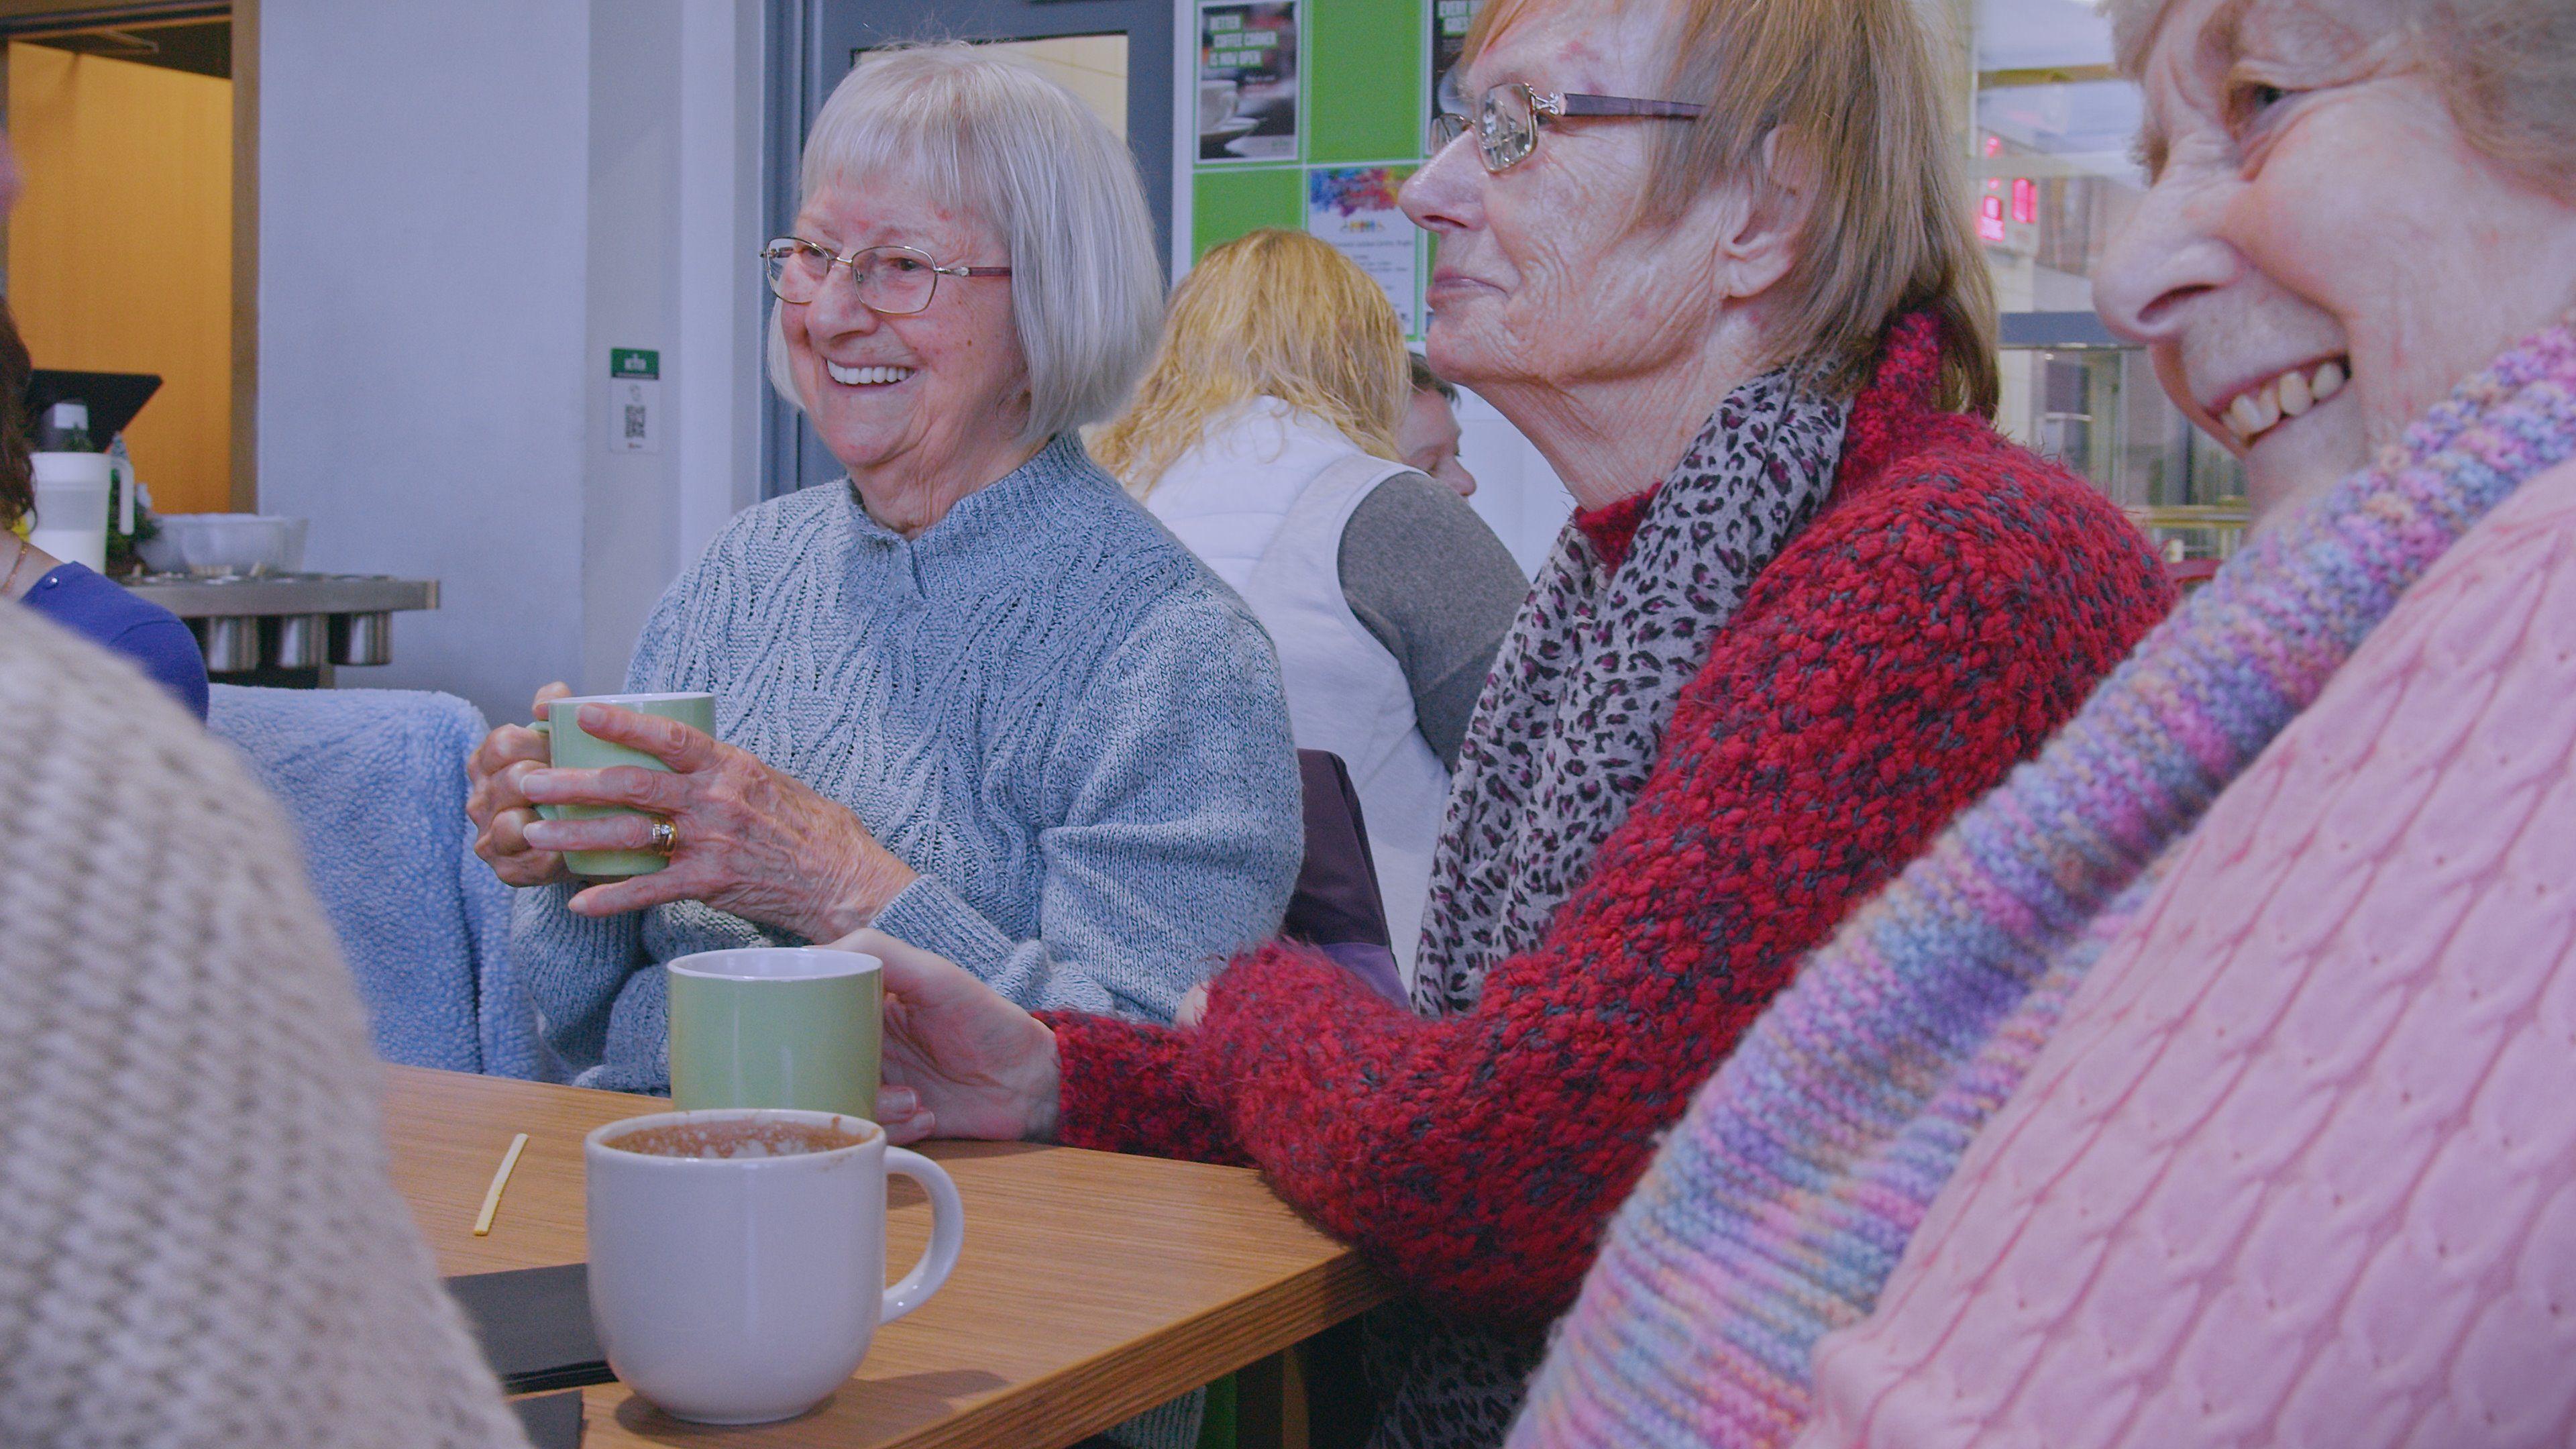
(1093, 1286)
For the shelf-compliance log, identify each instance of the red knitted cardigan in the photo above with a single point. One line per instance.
(1951, 605)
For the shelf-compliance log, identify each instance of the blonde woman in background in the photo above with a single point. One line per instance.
(1264, 436)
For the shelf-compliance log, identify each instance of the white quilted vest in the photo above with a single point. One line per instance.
(1263, 500)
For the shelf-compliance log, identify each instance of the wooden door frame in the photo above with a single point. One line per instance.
(245, 491)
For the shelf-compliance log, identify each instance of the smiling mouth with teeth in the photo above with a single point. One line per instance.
(865, 376)
(2266, 405)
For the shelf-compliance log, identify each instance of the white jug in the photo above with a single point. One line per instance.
(71, 507)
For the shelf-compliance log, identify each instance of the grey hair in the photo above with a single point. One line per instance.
(2134, 24)
(2505, 68)
(993, 138)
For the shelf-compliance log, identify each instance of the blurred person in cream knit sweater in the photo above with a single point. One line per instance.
(199, 1243)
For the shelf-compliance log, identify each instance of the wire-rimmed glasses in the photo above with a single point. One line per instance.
(1508, 119)
(892, 281)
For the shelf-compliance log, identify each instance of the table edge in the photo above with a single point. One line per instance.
(1221, 1340)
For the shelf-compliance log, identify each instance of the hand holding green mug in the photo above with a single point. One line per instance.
(575, 748)
(612, 773)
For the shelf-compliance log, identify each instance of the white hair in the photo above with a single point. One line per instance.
(996, 139)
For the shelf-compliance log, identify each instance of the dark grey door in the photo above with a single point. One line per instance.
(820, 40)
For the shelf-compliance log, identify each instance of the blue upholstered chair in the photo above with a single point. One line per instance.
(374, 780)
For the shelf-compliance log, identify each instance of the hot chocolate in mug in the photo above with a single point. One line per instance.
(737, 1257)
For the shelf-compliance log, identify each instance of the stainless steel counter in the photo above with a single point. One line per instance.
(195, 598)
(289, 622)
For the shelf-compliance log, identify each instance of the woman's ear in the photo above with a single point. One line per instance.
(1762, 222)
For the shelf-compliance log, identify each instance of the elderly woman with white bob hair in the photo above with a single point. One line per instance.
(975, 696)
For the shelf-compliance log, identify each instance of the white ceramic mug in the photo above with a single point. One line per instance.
(743, 1289)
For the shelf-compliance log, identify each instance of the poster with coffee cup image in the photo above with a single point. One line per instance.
(1248, 80)
(1447, 45)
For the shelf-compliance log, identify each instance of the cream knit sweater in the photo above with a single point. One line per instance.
(199, 1243)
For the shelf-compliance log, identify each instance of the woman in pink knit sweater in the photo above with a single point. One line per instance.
(2213, 1082)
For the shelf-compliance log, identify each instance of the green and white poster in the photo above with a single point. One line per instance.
(1310, 114)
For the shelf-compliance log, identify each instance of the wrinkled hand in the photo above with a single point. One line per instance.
(960, 1059)
(500, 808)
(753, 841)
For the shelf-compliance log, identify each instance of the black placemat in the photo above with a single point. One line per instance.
(552, 1421)
(534, 1324)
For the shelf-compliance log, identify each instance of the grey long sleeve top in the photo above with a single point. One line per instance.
(1432, 583)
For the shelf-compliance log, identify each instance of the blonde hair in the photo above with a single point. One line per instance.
(1272, 313)
(1852, 90)
(2506, 70)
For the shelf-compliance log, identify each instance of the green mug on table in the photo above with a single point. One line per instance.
(572, 748)
(776, 1026)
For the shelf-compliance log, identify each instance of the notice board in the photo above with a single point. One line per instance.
(1310, 113)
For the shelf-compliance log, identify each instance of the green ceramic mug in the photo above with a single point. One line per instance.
(776, 1026)
(572, 748)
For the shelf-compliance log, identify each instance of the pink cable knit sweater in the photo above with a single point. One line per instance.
(2300, 1165)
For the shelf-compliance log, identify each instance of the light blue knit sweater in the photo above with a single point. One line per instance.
(1044, 704)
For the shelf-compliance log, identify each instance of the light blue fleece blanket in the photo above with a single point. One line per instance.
(375, 782)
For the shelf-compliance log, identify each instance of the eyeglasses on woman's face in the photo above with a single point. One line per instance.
(1507, 121)
(892, 281)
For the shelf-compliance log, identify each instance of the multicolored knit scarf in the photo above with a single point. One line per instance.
(1777, 1210)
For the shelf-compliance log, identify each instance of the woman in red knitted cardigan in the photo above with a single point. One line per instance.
(1739, 698)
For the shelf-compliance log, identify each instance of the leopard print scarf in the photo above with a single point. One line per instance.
(1573, 715)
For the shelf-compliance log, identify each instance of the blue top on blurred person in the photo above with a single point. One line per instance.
(974, 696)
(69, 593)
(77, 598)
